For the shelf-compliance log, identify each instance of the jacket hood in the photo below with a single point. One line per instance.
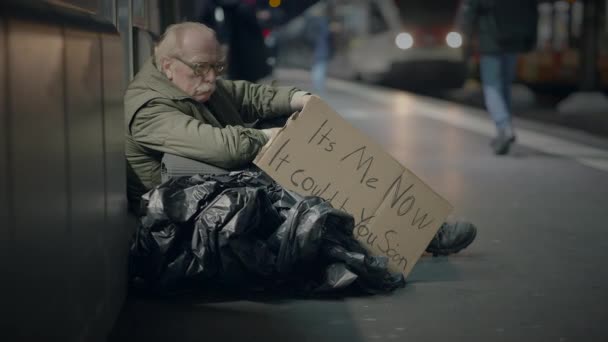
(149, 84)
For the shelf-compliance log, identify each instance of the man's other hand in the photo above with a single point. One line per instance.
(298, 100)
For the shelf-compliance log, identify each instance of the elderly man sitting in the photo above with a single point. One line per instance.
(177, 105)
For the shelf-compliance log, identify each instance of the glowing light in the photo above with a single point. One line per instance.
(274, 3)
(219, 14)
(404, 40)
(454, 40)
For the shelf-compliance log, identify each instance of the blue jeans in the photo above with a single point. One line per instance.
(497, 74)
(318, 75)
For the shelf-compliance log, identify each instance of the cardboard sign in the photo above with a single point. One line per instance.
(319, 153)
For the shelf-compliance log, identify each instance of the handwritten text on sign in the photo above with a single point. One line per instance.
(320, 154)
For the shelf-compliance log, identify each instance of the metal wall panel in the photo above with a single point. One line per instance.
(67, 245)
(119, 226)
(143, 46)
(5, 231)
(62, 157)
(38, 169)
(6, 226)
(125, 26)
(114, 127)
(86, 170)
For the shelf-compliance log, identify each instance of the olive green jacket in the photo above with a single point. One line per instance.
(160, 118)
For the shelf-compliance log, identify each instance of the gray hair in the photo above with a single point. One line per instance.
(170, 43)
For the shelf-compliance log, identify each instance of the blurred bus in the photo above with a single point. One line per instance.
(408, 44)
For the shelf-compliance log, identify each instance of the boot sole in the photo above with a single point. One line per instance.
(454, 249)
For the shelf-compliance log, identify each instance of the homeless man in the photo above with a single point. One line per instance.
(177, 104)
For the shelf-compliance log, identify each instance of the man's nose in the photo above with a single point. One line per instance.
(211, 75)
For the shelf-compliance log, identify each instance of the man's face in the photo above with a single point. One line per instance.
(196, 69)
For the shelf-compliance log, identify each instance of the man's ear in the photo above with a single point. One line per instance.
(166, 67)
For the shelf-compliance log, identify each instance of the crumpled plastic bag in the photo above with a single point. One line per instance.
(243, 231)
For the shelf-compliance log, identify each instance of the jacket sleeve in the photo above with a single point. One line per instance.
(163, 128)
(259, 101)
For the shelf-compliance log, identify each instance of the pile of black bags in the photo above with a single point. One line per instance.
(245, 232)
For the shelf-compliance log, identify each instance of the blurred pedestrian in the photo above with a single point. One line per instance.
(504, 28)
(319, 34)
(239, 31)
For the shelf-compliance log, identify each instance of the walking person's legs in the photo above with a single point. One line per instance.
(509, 69)
(494, 95)
(509, 62)
(318, 75)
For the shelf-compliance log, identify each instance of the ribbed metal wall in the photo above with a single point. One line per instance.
(6, 229)
(65, 230)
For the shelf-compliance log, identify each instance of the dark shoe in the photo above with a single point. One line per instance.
(452, 238)
(502, 143)
(495, 139)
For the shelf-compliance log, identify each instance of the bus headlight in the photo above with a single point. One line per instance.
(404, 40)
(454, 40)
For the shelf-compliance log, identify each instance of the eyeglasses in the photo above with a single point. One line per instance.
(201, 69)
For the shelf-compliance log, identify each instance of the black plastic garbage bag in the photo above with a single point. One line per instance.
(243, 231)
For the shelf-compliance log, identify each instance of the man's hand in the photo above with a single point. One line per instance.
(298, 100)
(271, 132)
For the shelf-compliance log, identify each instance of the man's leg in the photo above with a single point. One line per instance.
(494, 95)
